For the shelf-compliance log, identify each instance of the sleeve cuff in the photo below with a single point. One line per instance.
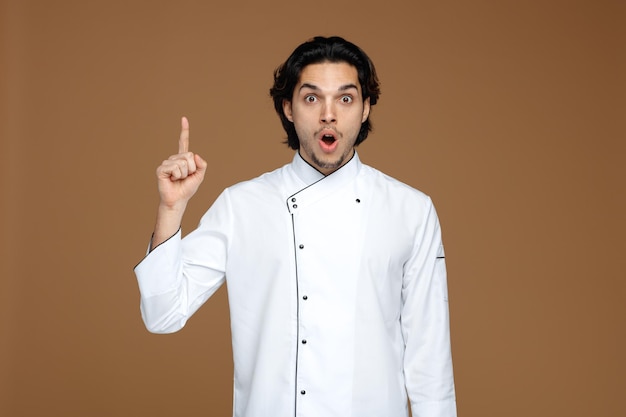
(157, 272)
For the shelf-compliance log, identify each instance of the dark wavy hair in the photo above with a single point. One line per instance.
(315, 51)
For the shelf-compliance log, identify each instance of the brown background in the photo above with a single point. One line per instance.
(511, 115)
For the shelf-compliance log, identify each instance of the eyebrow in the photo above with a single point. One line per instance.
(316, 88)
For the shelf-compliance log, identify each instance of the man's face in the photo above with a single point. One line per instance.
(327, 110)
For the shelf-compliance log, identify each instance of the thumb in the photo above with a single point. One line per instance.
(201, 164)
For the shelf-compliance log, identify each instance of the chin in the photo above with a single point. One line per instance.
(329, 164)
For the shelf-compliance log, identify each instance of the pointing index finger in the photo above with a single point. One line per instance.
(183, 142)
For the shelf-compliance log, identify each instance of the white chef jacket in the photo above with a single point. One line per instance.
(337, 293)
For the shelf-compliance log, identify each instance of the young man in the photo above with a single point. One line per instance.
(336, 273)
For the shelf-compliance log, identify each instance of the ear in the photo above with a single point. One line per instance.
(287, 110)
(366, 110)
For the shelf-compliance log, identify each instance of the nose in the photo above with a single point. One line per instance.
(328, 114)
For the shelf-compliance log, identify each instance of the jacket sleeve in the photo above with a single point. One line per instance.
(425, 324)
(179, 275)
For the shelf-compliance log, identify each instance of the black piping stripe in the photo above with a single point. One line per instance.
(299, 191)
(295, 387)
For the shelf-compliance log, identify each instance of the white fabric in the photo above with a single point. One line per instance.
(337, 293)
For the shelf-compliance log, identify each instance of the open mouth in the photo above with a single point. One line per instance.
(328, 139)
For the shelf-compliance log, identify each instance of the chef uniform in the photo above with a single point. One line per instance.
(337, 293)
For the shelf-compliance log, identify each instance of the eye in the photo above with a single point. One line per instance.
(346, 99)
(310, 99)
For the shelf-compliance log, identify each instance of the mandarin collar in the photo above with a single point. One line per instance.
(318, 186)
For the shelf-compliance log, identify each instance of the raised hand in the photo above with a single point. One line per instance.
(179, 177)
(181, 174)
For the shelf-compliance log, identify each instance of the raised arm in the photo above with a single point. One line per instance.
(178, 178)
